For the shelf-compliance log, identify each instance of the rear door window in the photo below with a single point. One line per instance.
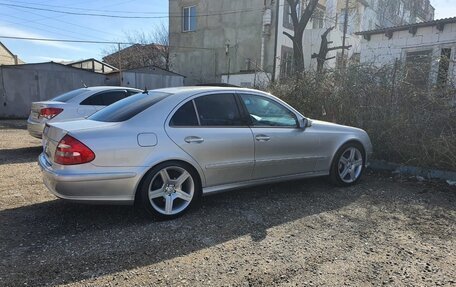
(104, 98)
(132, 92)
(218, 110)
(68, 96)
(114, 96)
(94, 100)
(185, 116)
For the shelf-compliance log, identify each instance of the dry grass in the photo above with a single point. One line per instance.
(407, 124)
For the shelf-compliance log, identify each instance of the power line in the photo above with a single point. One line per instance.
(58, 18)
(95, 42)
(66, 40)
(91, 9)
(35, 27)
(59, 30)
(55, 19)
(123, 16)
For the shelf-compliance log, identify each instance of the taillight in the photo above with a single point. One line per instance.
(71, 151)
(49, 113)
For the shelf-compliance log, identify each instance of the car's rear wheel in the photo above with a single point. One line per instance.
(169, 190)
(348, 164)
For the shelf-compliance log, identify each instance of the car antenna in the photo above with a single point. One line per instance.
(85, 86)
(145, 90)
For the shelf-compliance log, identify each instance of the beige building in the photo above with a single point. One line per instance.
(7, 57)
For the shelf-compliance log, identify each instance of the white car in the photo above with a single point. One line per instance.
(74, 105)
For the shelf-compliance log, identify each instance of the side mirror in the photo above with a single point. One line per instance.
(304, 123)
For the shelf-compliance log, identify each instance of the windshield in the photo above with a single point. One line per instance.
(68, 96)
(129, 107)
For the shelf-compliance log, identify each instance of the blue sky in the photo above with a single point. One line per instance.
(23, 22)
(15, 21)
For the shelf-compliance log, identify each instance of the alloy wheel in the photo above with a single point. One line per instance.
(171, 190)
(350, 165)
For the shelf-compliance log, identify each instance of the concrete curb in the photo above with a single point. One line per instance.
(427, 173)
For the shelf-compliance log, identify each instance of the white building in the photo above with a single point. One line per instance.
(427, 49)
(243, 42)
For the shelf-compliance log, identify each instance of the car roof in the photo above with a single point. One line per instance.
(203, 89)
(103, 88)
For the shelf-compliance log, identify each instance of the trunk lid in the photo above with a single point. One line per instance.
(54, 132)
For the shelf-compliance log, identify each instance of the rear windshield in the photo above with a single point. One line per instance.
(68, 96)
(129, 107)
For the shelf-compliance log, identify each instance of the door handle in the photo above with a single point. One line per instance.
(193, 139)
(262, 138)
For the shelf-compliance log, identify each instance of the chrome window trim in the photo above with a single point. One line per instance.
(196, 112)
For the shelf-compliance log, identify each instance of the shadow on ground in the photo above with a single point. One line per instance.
(20, 155)
(13, 124)
(56, 242)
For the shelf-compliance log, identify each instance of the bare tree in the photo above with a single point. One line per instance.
(161, 36)
(300, 22)
(148, 49)
(325, 49)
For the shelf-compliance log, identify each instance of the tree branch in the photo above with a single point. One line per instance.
(340, 48)
(288, 35)
(325, 34)
(305, 17)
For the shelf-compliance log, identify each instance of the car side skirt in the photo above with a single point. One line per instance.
(238, 185)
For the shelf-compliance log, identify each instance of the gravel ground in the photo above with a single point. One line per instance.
(384, 231)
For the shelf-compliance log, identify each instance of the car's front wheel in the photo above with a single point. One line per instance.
(169, 190)
(348, 164)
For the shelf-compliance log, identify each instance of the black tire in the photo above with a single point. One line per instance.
(334, 171)
(143, 197)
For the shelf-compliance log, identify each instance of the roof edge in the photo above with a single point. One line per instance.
(408, 26)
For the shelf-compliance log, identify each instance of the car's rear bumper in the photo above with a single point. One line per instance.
(95, 187)
(35, 129)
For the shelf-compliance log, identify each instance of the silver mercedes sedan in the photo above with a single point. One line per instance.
(165, 148)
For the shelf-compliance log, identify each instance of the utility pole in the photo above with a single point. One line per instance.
(120, 64)
(345, 32)
(227, 53)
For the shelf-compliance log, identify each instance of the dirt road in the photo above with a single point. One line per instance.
(381, 232)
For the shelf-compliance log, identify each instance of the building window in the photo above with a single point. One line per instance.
(401, 9)
(418, 67)
(189, 19)
(444, 66)
(351, 21)
(287, 20)
(286, 62)
(318, 18)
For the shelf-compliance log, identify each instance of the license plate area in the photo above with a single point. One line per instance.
(46, 129)
(35, 115)
(46, 150)
(48, 145)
